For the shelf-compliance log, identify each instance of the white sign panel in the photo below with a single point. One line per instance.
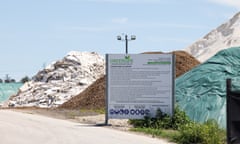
(139, 84)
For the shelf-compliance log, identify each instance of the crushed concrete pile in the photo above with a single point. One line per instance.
(94, 96)
(223, 37)
(60, 81)
(201, 92)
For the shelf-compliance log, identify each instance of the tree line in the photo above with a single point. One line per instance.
(8, 79)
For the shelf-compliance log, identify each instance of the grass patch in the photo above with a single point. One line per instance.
(71, 114)
(93, 111)
(160, 133)
(150, 131)
(170, 134)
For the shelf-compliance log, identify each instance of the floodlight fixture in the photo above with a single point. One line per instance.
(133, 37)
(119, 38)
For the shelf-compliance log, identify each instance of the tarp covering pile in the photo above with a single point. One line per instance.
(8, 89)
(201, 92)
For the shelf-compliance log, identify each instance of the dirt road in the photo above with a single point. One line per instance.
(24, 128)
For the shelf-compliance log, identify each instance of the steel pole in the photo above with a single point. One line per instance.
(126, 44)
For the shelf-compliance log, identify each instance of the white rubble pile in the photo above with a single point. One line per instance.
(60, 81)
(225, 36)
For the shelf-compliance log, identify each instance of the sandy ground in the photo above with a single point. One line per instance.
(85, 117)
(28, 128)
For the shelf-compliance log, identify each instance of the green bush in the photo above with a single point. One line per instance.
(149, 122)
(179, 119)
(212, 133)
(189, 132)
(206, 133)
(163, 120)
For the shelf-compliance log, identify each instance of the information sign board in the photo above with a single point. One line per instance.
(139, 84)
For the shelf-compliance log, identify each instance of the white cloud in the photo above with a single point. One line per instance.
(122, 20)
(232, 3)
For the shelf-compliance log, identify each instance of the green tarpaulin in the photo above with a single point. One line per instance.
(201, 92)
(8, 89)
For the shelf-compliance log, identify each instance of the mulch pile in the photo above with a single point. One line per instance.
(184, 62)
(94, 96)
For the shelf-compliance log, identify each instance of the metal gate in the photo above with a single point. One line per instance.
(233, 114)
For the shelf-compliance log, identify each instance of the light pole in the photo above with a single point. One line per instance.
(133, 37)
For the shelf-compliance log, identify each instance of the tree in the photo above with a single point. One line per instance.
(25, 79)
(9, 79)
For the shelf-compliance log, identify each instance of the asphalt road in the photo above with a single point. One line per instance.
(23, 128)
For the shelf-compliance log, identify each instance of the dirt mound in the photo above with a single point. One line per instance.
(94, 96)
(91, 98)
(184, 62)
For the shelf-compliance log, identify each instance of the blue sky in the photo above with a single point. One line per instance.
(33, 33)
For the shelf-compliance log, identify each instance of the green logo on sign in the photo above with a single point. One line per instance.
(124, 61)
(127, 57)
